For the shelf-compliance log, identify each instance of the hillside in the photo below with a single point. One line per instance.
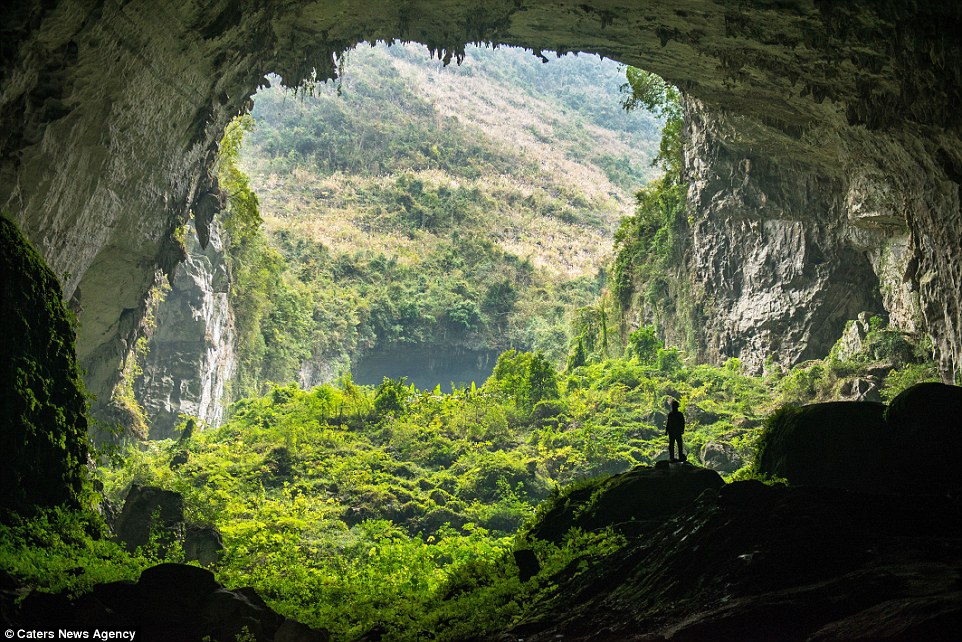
(467, 208)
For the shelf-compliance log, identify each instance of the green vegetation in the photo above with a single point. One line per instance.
(274, 309)
(414, 204)
(649, 246)
(58, 549)
(43, 427)
(132, 421)
(888, 359)
(403, 503)
(393, 509)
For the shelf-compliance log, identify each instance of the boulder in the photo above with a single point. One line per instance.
(203, 544)
(179, 459)
(146, 509)
(926, 420)
(291, 631)
(527, 562)
(695, 414)
(168, 602)
(720, 456)
(438, 517)
(225, 615)
(913, 446)
(860, 389)
(627, 502)
(175, 590)
(827, 444)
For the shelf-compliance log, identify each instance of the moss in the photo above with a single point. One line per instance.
(43, 428)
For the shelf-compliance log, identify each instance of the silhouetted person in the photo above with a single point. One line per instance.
(674, 427)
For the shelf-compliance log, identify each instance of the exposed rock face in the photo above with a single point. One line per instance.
(853, 339)
(191, 355)
(783, 251)
(111, 113)
(769, 253)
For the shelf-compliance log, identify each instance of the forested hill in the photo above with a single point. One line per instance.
(464, 207)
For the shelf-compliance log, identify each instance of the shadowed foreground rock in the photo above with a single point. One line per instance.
(170, 602)
(913, 446)
(629, 502)
(746, 561)
(752, 562)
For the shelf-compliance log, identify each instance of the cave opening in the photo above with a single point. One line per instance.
(428, 218)
(835, 125)
(812, 99)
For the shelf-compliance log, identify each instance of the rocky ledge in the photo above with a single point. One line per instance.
(755, 562)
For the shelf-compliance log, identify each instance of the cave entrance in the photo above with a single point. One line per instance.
(115, 110)
(419, 219)
(115, 114)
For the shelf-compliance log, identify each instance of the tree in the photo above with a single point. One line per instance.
(643, 345)
(542, 381)
(390, 397)
(525, 377)
(647, 90)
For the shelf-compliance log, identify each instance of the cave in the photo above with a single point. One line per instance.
(825, 135)
(824, 160)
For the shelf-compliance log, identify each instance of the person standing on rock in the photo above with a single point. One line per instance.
(674, 427)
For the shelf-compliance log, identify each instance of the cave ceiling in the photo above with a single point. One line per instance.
(111, 111)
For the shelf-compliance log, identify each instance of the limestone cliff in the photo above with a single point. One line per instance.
(779, 254)
(770, 250)
(112, 111)
(190, 357)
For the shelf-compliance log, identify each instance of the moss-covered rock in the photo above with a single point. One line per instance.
(43, 426)
(626, 502)
(913, 446)
(839, 444)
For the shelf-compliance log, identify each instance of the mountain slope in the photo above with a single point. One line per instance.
(468, 208)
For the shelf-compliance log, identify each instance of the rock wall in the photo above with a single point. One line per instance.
(190, 357)
(111, 112)
(769, 251)
(781, 252)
